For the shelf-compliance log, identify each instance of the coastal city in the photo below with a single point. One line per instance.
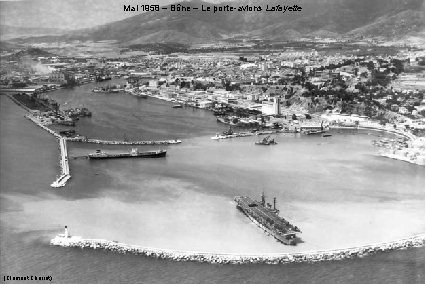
(293, 90)
(220, 141)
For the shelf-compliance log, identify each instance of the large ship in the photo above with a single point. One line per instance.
(133, 154)
(266, 217)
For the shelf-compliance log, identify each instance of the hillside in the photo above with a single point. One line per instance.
(395, 26)
(29, 53)
(8, 32)
(334, 18)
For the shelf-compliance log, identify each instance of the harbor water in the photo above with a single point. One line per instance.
(336, 189)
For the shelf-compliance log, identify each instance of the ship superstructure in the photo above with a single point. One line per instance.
(266, 217)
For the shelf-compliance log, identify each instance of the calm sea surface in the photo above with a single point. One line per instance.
(335, 189)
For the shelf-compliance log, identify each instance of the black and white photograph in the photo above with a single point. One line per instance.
(212, 141)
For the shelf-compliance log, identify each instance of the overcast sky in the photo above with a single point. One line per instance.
(67, 14)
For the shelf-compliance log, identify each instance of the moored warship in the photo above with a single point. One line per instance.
(266, 217)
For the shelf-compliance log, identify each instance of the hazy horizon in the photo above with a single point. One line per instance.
(63, 14)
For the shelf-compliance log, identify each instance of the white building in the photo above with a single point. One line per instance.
(205, 104)
(271, 108)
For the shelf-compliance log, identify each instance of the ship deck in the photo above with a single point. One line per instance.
(255, 208)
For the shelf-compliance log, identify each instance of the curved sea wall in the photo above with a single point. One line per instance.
(315, 256)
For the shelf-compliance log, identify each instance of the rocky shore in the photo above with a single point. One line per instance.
(218, 258)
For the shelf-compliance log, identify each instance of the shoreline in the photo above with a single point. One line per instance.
(406, 135)
(393, 155)
(222, 258)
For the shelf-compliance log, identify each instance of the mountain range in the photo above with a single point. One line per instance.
(387, 19)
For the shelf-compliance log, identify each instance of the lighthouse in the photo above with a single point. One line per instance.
(66, 235)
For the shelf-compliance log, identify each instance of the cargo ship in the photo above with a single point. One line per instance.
(133, 154)
(266, 217)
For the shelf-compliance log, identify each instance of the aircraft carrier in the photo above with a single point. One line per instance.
(266, 217)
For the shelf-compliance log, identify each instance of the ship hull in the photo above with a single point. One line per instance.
(128, 155)
(267, 143)
(269, 231)
(315, 132)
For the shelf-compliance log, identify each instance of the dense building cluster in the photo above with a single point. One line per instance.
(295, 82)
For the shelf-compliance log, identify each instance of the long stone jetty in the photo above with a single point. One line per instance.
(64, 175)
(19, 103)
(65, 240)
(43, 126)
(118, 142)
(65, 169)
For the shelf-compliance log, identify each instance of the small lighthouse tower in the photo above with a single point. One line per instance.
(66, 234)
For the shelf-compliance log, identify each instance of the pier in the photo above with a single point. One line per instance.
(118, 142)
(246, 134)
(65, 240)
(43, 126)
(100, 141)
(63, 161)
(65, 170)
(236, 135)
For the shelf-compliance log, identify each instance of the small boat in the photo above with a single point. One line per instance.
(266, 141)
(142, 95)
(177, 106)
(312, 132)
(326, 135)
(217, 137)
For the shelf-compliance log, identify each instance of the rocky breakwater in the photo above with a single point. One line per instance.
(43, 126)
(19, 103)
(63, 164)
(315, 256)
